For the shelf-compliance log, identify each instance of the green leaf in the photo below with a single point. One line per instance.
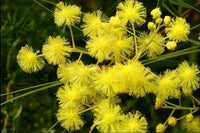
(31, 92)
(171, 55)
(183, 4)
(168, 9)
(18, 112)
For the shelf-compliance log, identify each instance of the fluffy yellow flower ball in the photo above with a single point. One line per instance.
(66, 14)
(132, 11)
(56, 49)
(28, 60)
(178, 30)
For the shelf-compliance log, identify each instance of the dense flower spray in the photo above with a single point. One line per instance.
(120, 68)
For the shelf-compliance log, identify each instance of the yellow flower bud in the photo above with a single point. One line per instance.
(151, 26)
(159, 103)
(159, 20)
(160, 128)
(171, 45)
(172, 121)
(167, 20)
(115, 21)
(187, 91)
(156, 13)
(177, 93)
(189, 117)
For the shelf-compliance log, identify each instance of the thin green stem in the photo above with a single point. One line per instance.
(134, 35)
(129, 32)
(180, 108)
(49, 2)
(31, 92)
(186, 115)
(40, 55)
(87, 109)
(29, 88)
(198, 102)
(92, 128)
(79, 50)
(79, 58)
(169, 116)
(194, 27)
(193, 102)
(72, 36)
(194, 42)
(77, 28)
(43, 6)
(171, 104)
(52, 127)
(180, 101)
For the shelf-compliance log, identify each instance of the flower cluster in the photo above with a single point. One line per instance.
(96, 87)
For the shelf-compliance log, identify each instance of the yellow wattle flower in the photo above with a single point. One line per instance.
(70, 117)
(107, 117)
(28, 60)
(151, 47)
(131, 11)
(100, 47)
(94, 23)
(134, 123)
(178, 30)
(66, 14)
(188, 76)
(56, 50)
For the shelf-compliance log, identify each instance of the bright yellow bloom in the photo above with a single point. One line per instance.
(72, 95)
(152, 44)
(95, 23)
(122, 46)
(178, 30)
(171, 45)
(116, 27)
(167, 84)
(56, 49)
(193, 126)
(156, 13)
(134, 78)
(134, 123)
(107, 117)
(66, 14)
(172, 121)
(76, 72)
(70, 117)
(160, 128)
(100, 47)
(132, 11)
(189, 76)
(106, 82)
(28, 60)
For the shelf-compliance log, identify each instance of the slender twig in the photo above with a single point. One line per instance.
(43, 6)
(169, 116)
(29, 88)
(31, 92)
(52, 127)
(72, 36)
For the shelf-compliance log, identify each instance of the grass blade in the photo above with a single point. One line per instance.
(31, 92)
(29, 88)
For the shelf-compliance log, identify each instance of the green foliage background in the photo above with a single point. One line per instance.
(25, 22)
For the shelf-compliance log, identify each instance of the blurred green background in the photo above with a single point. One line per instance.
(26, 22)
